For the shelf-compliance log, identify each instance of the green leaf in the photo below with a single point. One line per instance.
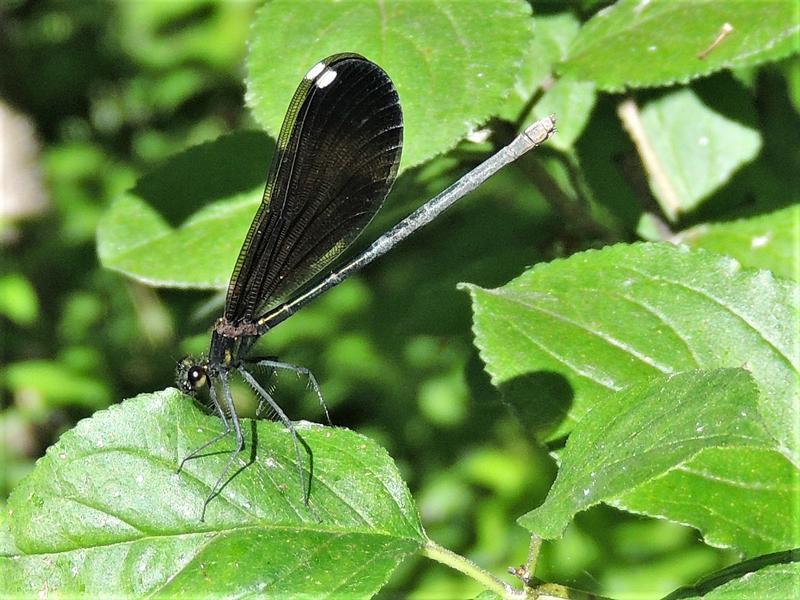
(660, 42)
(46, 384)
(792, 74)
(552, 36)
(564, 334)
(569, 99)
(146, 233)
(572, 102)
(18, 300)
(766, 242)
(694, 149)
(770, 576)
(106, 513)
(738, 497)
(7, 547)
(644, 432)
(452, 61)
(164, 35)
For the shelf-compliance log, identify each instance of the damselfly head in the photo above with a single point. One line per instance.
(191, 375)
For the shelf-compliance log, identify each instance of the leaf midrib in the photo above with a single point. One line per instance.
(213, 533)
(137, 452)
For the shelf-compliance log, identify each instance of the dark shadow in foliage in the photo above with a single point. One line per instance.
(491, 237)
(65, 66)
(760, 186)
(229, 165)
(611, 167)
(540, 400)
(734, 199)
(728, 97)
(720, 578)
(193, 16)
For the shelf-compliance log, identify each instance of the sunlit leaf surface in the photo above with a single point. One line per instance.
(106, 513)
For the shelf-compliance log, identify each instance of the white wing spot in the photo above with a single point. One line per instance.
(326, 78)
(315, 70)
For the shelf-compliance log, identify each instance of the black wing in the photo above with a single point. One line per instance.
(336, 160)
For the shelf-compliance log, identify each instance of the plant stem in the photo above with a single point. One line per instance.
(447, 557)
(545, 591)
(575, 211)
(666, 195)
(533, 554)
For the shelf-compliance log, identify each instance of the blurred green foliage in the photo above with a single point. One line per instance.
(115, 88)
(112, 89)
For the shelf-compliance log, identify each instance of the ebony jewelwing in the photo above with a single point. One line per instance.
(336, 159)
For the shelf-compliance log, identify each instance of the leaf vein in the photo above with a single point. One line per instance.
(605, 337)
(609, 384)
(721, 303)
(733, 482)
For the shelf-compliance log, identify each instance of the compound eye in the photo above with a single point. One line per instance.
(196, 377)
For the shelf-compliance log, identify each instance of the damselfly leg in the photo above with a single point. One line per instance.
(271, 363)
(225, 433)
(237, 427)
(296, 440)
